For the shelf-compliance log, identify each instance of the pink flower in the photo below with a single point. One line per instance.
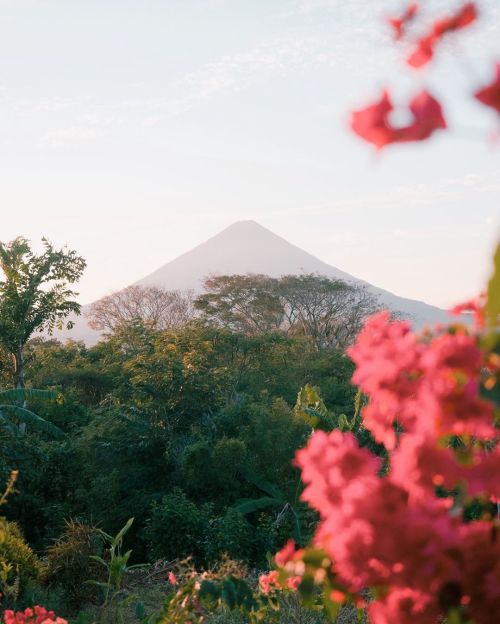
(405, 606)
(334, 470)
(373, 125)
(481, 570)
(399, 24)
(285, 554)
(419, 465)
(424, 50)
(172, 579)
(490, 95)
(269, 581)
(474, 306)
(391, 532)
(293, 582)
(35, 615)
(388, 369)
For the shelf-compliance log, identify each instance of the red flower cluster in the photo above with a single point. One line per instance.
(372, 123)
(393, 533)
(490, 95)
(35, 615)
(424, 50)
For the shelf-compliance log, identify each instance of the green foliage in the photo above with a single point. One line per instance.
(172, 428)
(232, 535)
(18, 563)
(176, 528)
(35, 295)
(312, 409)
(12, 415)
(69, 562)
(329, 312)
(493, 293)
(115, 563)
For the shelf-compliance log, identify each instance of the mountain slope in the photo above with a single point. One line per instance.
(247, 247)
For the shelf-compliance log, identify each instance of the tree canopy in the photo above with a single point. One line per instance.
(35, 294)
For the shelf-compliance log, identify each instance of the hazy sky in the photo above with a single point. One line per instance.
(135, 129)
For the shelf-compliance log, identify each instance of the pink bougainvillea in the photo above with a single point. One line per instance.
(400, 23)
(424, 49)
(35, 615)
(400, 530)
(373, 124)
(490, 94)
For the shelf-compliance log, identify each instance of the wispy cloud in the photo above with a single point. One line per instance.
(238, 71)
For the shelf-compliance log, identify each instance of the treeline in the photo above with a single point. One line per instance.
(329, 312)
(173, 427)
(182, 416)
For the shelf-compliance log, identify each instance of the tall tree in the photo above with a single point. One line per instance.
(243, 303)
(328, 311)
(155, 307)
(35, 295)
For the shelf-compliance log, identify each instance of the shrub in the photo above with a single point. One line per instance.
(230, 534)
(69, 564)
(18, 563)
(175, 529)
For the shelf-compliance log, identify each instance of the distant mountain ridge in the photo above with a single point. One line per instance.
(248, 247)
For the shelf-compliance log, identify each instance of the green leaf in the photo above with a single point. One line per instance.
(250, 505)
(99, 560)
(453, 617)
(229, 594)
(344, 424)
(493, 302)
(311, 408)
(119, 536)
(331, 607)
(98, 584)
(209, 591)
(18, 395)
(140, 611)
(266, 486)
(30, 418)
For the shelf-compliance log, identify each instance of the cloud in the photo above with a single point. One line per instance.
(238, 71)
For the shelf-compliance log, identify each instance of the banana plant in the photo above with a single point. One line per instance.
(116, 567)
(15, 416)
(310, 407)
(274, 497)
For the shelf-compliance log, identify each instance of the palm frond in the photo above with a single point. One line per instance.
(18, 395)
(30, 418)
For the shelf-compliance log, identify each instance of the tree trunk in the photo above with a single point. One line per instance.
(19, 380)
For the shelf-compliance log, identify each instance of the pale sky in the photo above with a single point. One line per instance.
(133, 130)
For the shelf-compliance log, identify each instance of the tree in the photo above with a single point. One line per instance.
(158, 307)
(331, 312)
(35, 295)
(328, 311)
(243, 303)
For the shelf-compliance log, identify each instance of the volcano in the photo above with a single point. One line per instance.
(248, 247)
